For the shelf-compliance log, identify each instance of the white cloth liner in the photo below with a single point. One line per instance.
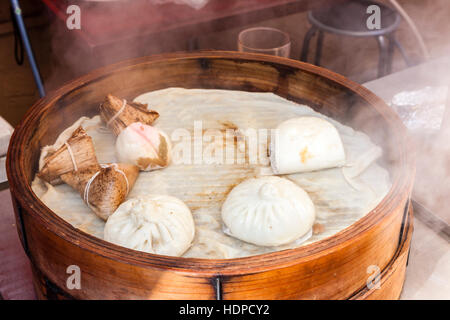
(341, 195)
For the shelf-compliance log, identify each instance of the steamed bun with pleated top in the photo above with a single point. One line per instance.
(157, 224)
(268, 211)
(306, 144)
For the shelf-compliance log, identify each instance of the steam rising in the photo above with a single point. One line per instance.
(74, 54)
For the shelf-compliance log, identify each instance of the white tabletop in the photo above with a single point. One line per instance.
(428, 271)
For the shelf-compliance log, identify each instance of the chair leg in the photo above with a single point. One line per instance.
(402, 52)
(319, 48)
(304, 55)
(390, 54)
(384, 53)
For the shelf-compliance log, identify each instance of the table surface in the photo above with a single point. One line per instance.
(434, 73)
(427, 274)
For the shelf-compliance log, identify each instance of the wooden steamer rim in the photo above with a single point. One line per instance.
(28, 202)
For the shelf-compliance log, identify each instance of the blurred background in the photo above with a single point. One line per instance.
(116, 30)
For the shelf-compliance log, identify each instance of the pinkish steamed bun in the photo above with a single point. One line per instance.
(145, 146)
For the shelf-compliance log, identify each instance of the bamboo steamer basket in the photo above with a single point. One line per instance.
(333, 268)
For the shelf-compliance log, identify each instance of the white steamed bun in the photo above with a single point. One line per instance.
(306, 144)
(158, 224)
(268, 211)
